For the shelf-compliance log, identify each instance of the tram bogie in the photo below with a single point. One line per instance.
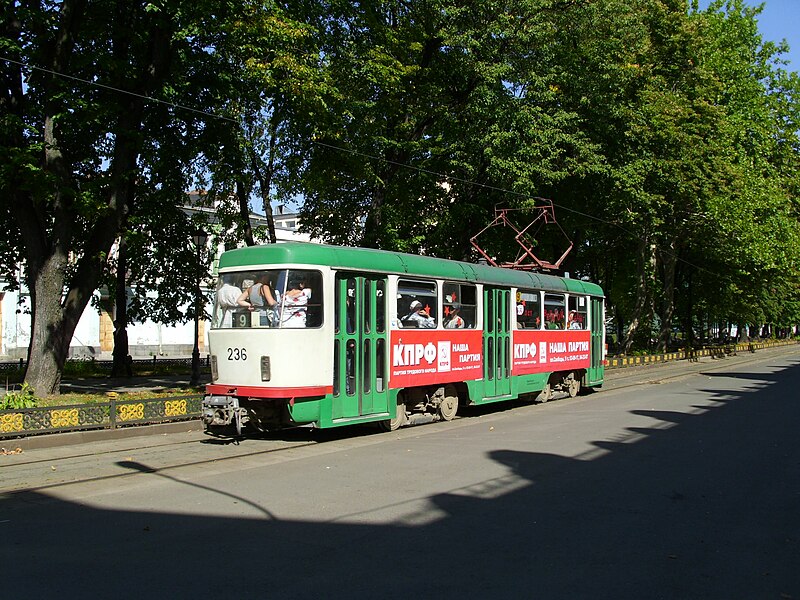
(306, 334)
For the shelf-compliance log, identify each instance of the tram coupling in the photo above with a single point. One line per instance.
(223, 412)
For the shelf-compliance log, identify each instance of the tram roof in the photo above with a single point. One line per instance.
(384, 261)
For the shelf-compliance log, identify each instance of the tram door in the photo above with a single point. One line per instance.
(360, 346)
(496, 342)
(597, 319)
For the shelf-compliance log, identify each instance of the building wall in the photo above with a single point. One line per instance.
(16, 325)
(94, 335)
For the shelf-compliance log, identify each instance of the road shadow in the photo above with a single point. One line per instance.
(702, 504)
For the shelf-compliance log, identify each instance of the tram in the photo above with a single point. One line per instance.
(327, 336)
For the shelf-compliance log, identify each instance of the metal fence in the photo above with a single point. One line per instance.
(102, 415)
(719, 351)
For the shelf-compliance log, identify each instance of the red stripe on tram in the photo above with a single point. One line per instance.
(268, 392)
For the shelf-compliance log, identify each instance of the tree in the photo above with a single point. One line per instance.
(682, 106)
(89, 88)
(274, 52)
(440, 111)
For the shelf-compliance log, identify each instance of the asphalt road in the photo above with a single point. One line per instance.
(678, 481)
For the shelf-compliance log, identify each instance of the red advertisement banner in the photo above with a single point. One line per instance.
(543, 351)
(424, 357)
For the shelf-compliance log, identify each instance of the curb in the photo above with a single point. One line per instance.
(54, 440)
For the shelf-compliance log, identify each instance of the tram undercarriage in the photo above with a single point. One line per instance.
(231, 415)
(228, 415)
(569, 382)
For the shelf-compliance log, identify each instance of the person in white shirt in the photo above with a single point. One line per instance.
(227, 297)
(419, 316)
(292, 306)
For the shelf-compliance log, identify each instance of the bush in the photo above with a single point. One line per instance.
(23, 398)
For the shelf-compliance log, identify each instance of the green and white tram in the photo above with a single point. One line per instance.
(308, 334)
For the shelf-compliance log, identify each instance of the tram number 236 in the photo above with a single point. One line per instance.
(237, 354)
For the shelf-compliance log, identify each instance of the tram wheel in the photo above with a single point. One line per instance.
(545, 394)
(398, 421)
(449, 404)
(573, 385)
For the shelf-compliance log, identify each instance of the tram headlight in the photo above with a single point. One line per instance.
(214, 371)
(266, 370)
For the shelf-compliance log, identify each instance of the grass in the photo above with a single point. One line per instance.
(76, 398)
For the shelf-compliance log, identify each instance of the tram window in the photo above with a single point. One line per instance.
(529, 310)
(459, 300)
(367, 307)
(577, 317)
(489, 357)
(336, 361)
(554, 313)
(416, 301)
(351, 306)
(380, 306)
(350, 367)
(380, 364)
(273, 298)
(366, 367)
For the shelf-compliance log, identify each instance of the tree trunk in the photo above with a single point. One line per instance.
(645, 258)
(242, 195)
(373, 227)
(264, 177)
(51, 328)
(689, 315)
(121, 365)
(670, 260)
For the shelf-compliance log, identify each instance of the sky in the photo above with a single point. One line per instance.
(779, 20)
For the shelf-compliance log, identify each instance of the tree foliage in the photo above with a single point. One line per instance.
(94, 141)
(665, 134)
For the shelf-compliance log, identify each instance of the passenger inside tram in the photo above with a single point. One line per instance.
(272, 299)
(226, 304)
(454, 320)
(291, 307)
(418, 317)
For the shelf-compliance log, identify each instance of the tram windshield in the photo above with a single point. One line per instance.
(272, 298)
